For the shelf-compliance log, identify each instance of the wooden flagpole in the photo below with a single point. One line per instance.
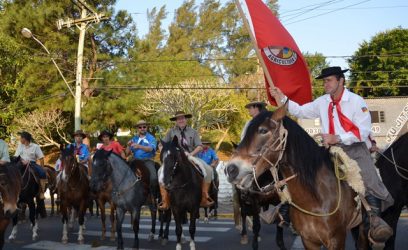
(253, 40)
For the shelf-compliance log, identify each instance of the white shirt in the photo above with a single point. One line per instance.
(32, 152)
(352, 106)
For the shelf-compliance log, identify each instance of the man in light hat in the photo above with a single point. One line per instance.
(108, 144)
(346, 122)
(81, 149)
(143, 147)
(30, 153)
(190, 140)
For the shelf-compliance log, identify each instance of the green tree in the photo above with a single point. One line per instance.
(316, 62)
(381, 65)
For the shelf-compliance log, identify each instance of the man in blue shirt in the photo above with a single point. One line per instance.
(143, 147)
(208, 154)
(81, 150)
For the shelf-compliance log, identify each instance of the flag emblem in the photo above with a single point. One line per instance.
(280, 55)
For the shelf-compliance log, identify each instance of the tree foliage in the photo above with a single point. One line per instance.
(381, 62)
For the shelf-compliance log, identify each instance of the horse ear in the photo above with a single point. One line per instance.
(280, 113)
(175, 141)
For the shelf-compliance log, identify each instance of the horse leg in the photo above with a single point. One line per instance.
(205, 215)
(103, 216)
(192, 229)
(13, 234)
(81, 221)
(136, 222)
(279, 238)
(153, 213)
(64, 212)
(112, 220)
(52, 203)
(338, 242)
(256, 228)
(120, 214)
(178, 218)
(71, 218)
(360, 237)
(244, 234)
(34, 223)
(391, 216)
(97, 209)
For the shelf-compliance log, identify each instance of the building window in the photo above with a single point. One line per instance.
(377, 116)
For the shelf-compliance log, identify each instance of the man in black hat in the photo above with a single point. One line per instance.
(346, 122)
(30, 153)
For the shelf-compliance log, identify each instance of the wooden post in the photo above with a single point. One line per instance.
(253, 40)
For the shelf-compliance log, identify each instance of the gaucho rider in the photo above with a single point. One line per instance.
(81, 149)
(30, 153)
(190, 140)
(143, 146)
(346, 122)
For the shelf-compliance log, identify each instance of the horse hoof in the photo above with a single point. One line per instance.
(183, 240)
(192, 245)
(12, 239)
(64, 242)
(259, 239)
(80, 242)
(164, 242)
(244, 240)
(103, 237)
(206, 221)
(150, 238)
(35, 237)
(178, 247)
(112, 239)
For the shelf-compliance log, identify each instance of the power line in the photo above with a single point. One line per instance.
(293, 16)
(328, 12)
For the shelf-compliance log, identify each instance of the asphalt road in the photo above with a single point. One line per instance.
(216, 235)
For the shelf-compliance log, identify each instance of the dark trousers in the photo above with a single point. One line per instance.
(40, 171)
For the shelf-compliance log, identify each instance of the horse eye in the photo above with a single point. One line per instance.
(263, 130)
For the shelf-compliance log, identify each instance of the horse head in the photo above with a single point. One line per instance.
(261, 148)
(68, 160)
(172, 157)
(10, 188)
(101, 169)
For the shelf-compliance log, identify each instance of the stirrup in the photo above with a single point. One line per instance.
(375, 245)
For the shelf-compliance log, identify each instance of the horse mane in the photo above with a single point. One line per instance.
(303, 154)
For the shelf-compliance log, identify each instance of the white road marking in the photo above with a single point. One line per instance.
(198, 229)
(144, 236)
(51, 245)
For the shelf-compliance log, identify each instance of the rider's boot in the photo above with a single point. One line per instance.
(43, 183)
(284, 212)
(379, 231)
(165, 204)
(206, 200)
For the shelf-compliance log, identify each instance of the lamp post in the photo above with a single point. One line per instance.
(28, 34)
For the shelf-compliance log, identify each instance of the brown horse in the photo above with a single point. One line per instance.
(322, 206)
(74, 190)
(10, 188)
(51, 185)
(102, 197)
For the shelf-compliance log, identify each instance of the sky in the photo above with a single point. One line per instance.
(331, 27)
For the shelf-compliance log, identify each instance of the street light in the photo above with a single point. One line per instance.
(28, 34)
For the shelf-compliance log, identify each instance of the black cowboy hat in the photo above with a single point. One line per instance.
(79, 132)
(180, 114)
(336, 70)
(256, 103)
(103, 133)
(26, 135)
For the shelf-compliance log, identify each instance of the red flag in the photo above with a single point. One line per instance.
(283, 59)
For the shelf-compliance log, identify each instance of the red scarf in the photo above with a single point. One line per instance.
(344, 121)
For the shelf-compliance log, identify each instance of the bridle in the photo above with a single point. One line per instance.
(174, 168)
(277, 143)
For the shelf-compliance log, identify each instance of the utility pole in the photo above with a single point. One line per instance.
(81, 24)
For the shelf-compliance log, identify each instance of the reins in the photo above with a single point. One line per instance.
(397, 167)
(122, 192)
(281, 185)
